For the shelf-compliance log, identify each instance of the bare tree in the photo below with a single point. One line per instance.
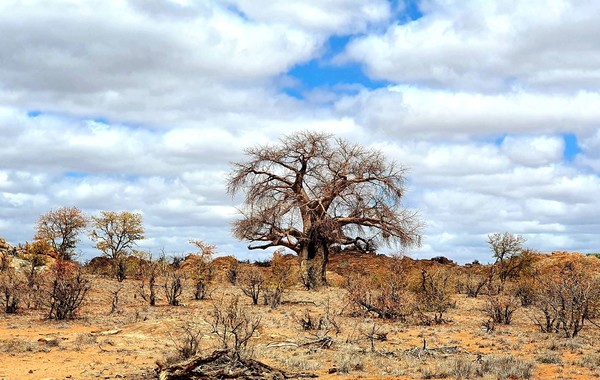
(313, 191)
(115, 234)
(202, 267)
(61, 228)
(510, 256)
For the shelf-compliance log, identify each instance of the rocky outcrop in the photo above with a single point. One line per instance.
(4, 246)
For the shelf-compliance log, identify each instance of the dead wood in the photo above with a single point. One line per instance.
(222, 365)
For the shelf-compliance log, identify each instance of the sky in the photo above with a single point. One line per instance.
(142, 105)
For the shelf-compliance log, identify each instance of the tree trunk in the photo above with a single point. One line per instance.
(313, 265)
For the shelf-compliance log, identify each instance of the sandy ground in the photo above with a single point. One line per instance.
(128, 344)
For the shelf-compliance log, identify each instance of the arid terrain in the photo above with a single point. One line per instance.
(310, 332)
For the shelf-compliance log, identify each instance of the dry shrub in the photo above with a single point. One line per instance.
(202, 268)
(173, 284)
(474, 278)
(385, 295)
(506, 367)
(348, 361)
(66, 290)
(12, 289)
(148, 273)
(278, 280)
(234, 326)
(568, 294)
(187, 340)
(433, 287)
(251, 281)
(500, 307)
(326, 321)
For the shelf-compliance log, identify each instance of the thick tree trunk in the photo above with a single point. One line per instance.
(313, 265)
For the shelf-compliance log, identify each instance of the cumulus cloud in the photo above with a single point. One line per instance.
(142, 106)
(489, 46)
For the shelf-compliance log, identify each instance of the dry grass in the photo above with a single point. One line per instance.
(100, 344)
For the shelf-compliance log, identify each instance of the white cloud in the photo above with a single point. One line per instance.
(534, 151)
(421, 112)
(331, 17)
(145, 104)
(489, 46)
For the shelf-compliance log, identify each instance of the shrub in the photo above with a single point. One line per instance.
(434, 290)
(506, 367)
(568, 294)
(67, 290)
(173, 285)
(187, 341)
(251, 281)
(278, 280)
(474, 279)
(233, 325)
(149, 271)
(12, 287)
(500, 307)
(385, 295)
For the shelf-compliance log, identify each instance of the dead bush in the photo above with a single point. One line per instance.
(12, 288)
(202, 268)
(234, 326)
(149, 272)
(506, 367)
(233, 272)
(278, 280)
(173, 285)
(500, 307)
(385, 295)
(187, 340)
(434, 290)
(325, 321)
(474, 279)
(568, 295)
(251, 281)
(66, 291)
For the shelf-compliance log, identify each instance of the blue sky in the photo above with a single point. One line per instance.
(142, 106)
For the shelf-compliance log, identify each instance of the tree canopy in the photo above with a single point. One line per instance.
(313, 191)
(115, 234)
(60, 229)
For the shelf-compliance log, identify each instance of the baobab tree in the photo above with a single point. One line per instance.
(313, 191)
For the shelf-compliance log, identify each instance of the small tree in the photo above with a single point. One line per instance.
(568, 295)
(475, 278)
(149, 272)
(115, 234)
(202, 267)
(511, 258)
(385, 294)
(278, 280)
(174, 281)
(61, 229)
(434, 289)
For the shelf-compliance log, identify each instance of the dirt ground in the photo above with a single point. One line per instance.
(129, 343)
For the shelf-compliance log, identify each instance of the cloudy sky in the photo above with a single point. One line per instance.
(141, 105)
